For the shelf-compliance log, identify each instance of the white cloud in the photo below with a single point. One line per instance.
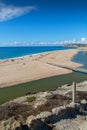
(83, 39)
(10, 12)
(43, 43)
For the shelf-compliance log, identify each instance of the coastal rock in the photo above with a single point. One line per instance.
(22, 127)
(41, 98)
(43, 94)
(30, 119)
(43, 115)
(74, 105)
(9, 124)
(36, 124)
(39, 125)
(57, 110)
(82, 84)
(39, 102)
(71, 124)
(84, 101)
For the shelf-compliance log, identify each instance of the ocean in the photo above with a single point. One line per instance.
(14, 52)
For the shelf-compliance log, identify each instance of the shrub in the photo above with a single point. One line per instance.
(31, 99)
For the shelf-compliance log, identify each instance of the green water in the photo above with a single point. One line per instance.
(45, 84)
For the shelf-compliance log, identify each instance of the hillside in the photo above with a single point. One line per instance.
(52, 110)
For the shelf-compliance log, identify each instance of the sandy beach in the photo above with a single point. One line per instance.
(24, 69)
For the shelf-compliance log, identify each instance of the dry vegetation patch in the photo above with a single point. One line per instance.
(24, 110)
(31, 99)
(79, 95)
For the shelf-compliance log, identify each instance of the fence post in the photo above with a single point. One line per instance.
(74, 93)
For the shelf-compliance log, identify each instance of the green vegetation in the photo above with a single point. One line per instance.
(45, 84)
(31, 99)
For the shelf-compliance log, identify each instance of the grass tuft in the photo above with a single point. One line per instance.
(31, 99)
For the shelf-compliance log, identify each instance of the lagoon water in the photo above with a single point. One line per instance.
(13, 52)
(81, 58)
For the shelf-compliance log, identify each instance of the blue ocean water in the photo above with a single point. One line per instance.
(13, 52)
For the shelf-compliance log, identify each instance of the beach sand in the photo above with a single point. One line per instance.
(24, 69)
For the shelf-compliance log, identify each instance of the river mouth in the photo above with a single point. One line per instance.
(81, 58)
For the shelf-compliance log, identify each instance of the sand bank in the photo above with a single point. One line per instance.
(15, 71)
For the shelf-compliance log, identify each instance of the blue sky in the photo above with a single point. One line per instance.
(24, 21)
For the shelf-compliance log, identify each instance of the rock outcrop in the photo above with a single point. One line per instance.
(49, 111)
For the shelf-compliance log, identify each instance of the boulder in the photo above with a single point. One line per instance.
(30, 119)
(22, 127)
(84, 101)
(57, 110)
(43, 115)
(39, 125)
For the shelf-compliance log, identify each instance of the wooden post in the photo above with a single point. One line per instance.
(74, 93)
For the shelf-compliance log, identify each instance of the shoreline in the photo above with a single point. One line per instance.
(35, 67)
(29, 55)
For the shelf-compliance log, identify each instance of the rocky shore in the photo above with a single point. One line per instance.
(51, 110)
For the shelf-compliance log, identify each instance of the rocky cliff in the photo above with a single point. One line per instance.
(52, 110)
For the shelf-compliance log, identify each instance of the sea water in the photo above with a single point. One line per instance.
(14, 52)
